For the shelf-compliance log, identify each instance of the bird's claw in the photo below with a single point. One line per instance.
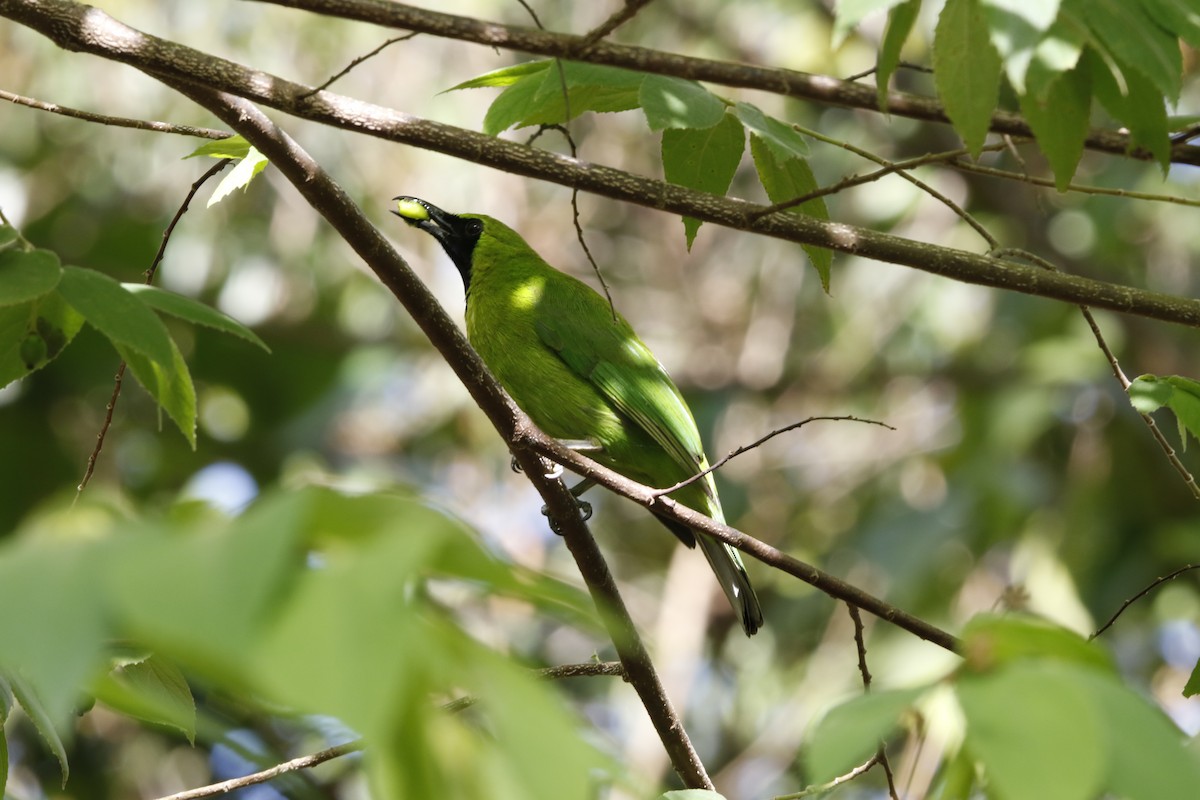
(515, 465)
(585, 513)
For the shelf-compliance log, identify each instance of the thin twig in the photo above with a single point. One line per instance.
(149, 276)
(822, 788)
(566, 132)
(653, 500)
(732, 454)
(1172, 457)
(909, 65)
(618, 18)
(870, 177)
(969, 166)
(104, 426)
(585, 670)
(338, 76)
(860, 646)
(1153, 585)
(121, 122)
(958, 210)
(303, 762)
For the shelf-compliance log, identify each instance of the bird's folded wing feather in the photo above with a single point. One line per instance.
(628, 375)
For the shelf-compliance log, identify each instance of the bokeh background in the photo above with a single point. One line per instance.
(1017, 474)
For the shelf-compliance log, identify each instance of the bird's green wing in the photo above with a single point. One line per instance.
(611, 357)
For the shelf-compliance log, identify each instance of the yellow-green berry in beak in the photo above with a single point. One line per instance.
(411, 209)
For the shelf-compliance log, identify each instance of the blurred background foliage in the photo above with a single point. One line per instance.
(1017, 476)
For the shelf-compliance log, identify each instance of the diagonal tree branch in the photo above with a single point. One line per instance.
(820, 88)
(340, 211)
(74, 26)
(531, 437)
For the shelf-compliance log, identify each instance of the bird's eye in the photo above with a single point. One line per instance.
(474, 227)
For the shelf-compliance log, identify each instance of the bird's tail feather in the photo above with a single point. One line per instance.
(727, 564)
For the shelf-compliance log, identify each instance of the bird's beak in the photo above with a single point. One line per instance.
(425, 216)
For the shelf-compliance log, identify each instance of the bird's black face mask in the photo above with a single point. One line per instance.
(457, 235)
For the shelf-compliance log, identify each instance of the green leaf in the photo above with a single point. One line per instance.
(966, 70)
(1016, 28)
(506, 76)
(1147, 756)
(231, 147)
(192, 311)
(591, 87)
(40, 327)
(1134, 37)
(899, 25)
(1180, 17)
(27, 275)
(207, 589)
(704, 159)
(169, 384)
(1037, 733)
(54, 582)
(8, 235)
(537, 98)
(849, 13)
(1148, 393)
(150, 689)
(1147, 118)
(1192, 687)
(513, 105)
(786, 179)
(851, 732)
(116, 313)
(992, 641)
(239, 177)
(784, 140)
(42, 719)
(1058, 113)
(677, 103)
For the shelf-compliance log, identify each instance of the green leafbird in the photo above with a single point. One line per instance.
(581, 374)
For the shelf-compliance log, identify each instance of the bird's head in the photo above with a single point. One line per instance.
(458, 235)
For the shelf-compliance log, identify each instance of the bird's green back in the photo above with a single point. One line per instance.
(577, 369)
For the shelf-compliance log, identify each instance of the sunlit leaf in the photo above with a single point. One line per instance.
(1148, 393)
(240, 176)
(231, 147)
(506, 76)
(848, 13)
(784, 140)
(671, 102)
